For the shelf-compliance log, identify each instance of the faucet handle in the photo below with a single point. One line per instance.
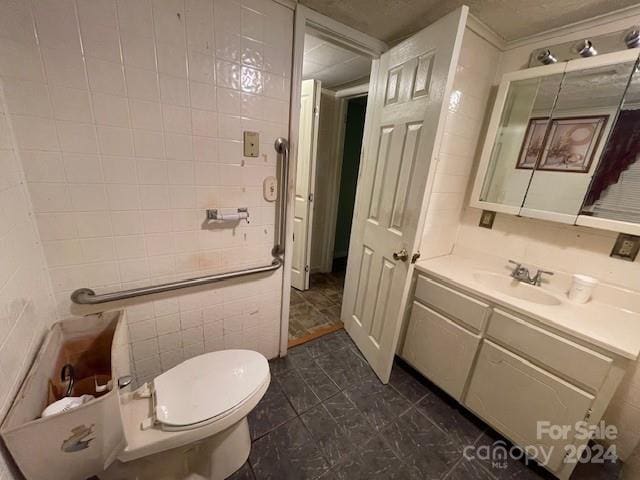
(517, 264)
(538, 277)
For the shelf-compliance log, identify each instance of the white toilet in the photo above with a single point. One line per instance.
(193, 423)
(189, 423)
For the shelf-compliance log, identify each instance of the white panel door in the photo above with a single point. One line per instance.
(305, 183)
(410, 87)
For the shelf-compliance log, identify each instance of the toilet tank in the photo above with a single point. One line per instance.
(81, 442)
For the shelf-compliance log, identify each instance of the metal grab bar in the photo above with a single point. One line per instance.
(282, 148)
(86, 296)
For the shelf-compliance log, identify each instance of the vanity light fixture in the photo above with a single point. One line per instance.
(585, 48)
(546, 57)
(632, 37)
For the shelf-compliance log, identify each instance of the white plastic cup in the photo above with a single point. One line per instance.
(582, 288)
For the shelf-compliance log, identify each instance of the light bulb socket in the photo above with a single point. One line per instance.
(546, 57)
(632, 38)
(585, 48)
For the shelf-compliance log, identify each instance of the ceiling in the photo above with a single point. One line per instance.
(331, 64)
(601, 87)
(393, 20)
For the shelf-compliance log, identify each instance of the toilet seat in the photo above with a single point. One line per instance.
(204, 388)
(159, 437)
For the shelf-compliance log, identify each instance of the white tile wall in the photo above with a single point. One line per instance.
(466, 111)
(129, 118)
(26, 301)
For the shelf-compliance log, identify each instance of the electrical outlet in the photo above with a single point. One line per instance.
(251, 144)
(487, 218)
(626, 247)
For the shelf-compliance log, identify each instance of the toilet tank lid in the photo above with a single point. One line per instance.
(208, 385)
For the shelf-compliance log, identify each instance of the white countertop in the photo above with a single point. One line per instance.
(602, 324)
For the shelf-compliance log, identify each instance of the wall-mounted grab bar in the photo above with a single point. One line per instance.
(282, 148)
(86, 296)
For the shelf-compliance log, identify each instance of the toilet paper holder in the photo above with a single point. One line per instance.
(216, 215)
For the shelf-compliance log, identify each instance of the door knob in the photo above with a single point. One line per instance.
(401, 255)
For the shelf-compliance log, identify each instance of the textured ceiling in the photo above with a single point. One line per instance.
(392, 20)
(331, 64)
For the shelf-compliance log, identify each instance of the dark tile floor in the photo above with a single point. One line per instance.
(317, 307)
(326, 416)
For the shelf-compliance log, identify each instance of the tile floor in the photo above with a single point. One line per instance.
(318, 307)
(327, 416)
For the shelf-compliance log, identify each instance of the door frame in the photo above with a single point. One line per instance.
(342, 98)
(336, 32)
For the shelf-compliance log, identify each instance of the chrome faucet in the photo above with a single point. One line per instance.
(522, 274)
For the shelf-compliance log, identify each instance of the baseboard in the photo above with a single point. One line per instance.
(318, 333)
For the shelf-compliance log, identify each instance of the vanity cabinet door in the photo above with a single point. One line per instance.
(439, 349)
(512, 395)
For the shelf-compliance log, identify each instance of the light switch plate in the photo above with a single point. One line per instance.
(251, 144)
(626, 247)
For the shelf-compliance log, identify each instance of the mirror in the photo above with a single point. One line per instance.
(574, 138)
(563, 144)
(511, 163)
(614, 193)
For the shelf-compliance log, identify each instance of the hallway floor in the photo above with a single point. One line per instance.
(327, 416)
(316, 311)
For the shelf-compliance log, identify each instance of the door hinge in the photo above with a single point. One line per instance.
(311, 197)
(316, 111)
(306, 268)
(415, 257)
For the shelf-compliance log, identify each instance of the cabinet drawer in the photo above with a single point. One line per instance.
(563, 356)
(467, 310)
(439, 349)
(512, 395)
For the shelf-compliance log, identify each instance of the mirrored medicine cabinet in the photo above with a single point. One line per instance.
(563, 144)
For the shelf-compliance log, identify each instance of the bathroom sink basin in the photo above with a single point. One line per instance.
(509, 286)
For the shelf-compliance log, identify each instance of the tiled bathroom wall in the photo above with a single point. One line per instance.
(26, 301)
(129, 118)
(467, 108)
